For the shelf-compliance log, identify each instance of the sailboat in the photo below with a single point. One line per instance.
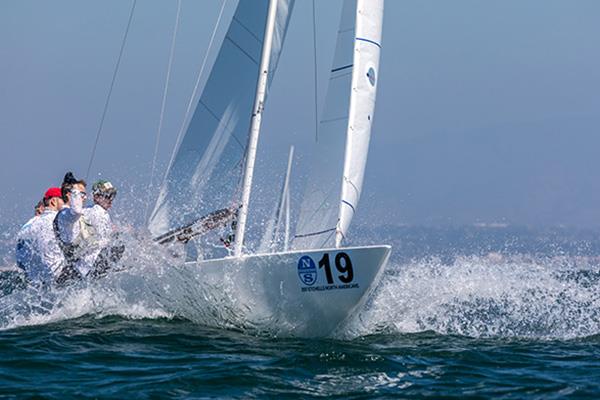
(313, 285)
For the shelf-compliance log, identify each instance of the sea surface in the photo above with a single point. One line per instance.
(461, 312)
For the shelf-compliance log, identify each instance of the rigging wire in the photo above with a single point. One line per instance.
(314, 20)
(164, 102)
(193, 96)
(110, 90)
(316, 111)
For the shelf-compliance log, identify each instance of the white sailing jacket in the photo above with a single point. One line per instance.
(27, 258)
(47, 244)
(74, 230)
(98, 219)
(38, 253)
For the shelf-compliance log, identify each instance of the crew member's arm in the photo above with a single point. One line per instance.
(67, 217)
(53, 256)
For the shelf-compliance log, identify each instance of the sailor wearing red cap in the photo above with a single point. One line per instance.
(38, 253)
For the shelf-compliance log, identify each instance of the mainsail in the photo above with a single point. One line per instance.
(345, 128)
(206, 171)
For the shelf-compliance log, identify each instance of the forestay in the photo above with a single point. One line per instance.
(205, 173)
(344, 130)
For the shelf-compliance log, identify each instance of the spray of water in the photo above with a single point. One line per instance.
(516, 296)
(151, 283)
(496, 295)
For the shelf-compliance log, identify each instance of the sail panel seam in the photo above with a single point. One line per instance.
(247, 29)
(241, 49)
(369, 41)
(239, 142)
(214, 115)
(326, 121)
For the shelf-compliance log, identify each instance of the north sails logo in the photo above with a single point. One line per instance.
(307, 270)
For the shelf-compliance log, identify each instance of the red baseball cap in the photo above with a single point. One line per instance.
(52, 192)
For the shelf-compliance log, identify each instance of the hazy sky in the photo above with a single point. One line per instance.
(488, 111)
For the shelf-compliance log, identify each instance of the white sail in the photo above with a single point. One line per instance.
(206, 171)
(344, 129)
(273, 236)
(367, 47)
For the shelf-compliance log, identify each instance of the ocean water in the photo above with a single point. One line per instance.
(472, 312)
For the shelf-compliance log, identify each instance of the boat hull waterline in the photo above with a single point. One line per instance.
(304, 293)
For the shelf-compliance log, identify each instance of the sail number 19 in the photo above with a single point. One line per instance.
(342, 263)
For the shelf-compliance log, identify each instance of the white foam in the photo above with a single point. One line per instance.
(517, 296)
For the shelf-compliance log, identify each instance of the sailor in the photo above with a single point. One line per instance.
(46, 243)
(72, 231)
(24, 251)
(39, 207)
(97, 215)
(107, 249)
(38, 253)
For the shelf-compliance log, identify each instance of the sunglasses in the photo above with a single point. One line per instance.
(83, 194)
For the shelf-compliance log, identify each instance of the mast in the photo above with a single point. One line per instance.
(257, 110)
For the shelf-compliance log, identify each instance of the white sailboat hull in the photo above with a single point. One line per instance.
(300, 293)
